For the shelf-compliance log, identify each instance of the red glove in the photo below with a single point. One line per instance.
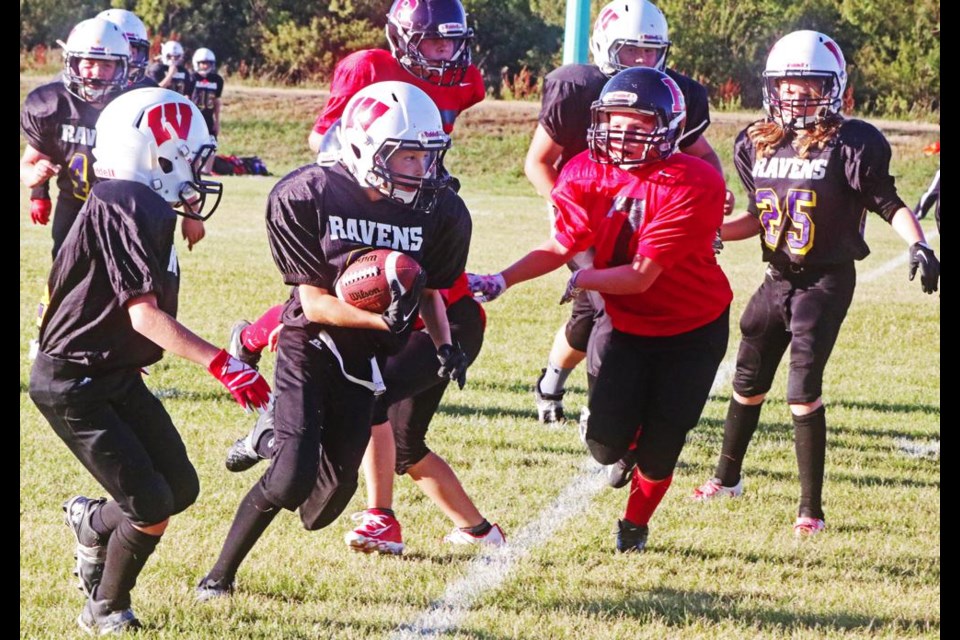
(243, 382)
(40, 210)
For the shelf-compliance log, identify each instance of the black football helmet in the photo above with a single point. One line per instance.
(640, 90)
(411, 21)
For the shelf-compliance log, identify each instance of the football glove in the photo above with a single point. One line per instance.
(40, 210)
(572, 291)
(453, 364)
(245, 384)
(402, 312)
(923, 258)
(717, 244)
(486, 288)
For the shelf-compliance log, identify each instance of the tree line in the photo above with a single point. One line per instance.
(892, 48)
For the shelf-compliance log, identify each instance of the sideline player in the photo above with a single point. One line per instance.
(652, 215)
(627, 33)
(330, 354)
(169, 71)
(810, 222)
(207, 90)
(113, 300)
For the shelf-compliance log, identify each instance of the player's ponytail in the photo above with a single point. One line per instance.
(768, 135)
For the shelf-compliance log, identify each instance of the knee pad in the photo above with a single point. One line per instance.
(150, 502)
(324, 505)
(406, 458)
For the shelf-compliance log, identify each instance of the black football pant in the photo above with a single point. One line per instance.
(658, 383)
(321, 430)
(587, 307)
(414, 389)
(803, 311)
(121, 433)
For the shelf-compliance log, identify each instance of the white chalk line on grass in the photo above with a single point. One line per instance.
(891, 264)
(488, 571)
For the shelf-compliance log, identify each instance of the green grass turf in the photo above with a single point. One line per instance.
(731, 569)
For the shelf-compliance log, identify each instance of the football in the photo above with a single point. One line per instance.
(365, 282)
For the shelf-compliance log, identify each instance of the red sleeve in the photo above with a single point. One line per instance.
(572, 217)
(352, 74)
(474, 91)
(683, 219)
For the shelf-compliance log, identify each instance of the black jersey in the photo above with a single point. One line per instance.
(206, 91)
(317, 216)
(813, 210)
(60, 125)
(119, 248)
(182, 80)
(568, 92)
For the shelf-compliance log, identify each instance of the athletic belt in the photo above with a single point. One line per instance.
(375, 385)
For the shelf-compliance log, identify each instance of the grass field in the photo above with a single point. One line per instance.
(731, 569)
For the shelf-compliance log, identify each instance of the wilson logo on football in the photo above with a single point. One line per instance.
(365, 112)
(169, 120)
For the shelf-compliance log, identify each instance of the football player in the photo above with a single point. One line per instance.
(170, 71)
(330, 354)
(931, 196)
(113, 301)
(207, 89)
(652, 215)
(58, 121)
(429, 44)
(429, 48)
(627, 33)
(135, 32)
(810, 176)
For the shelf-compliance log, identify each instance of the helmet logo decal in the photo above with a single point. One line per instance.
(364, 113)
(832, 48)
(404, 13)
(169, 120)
(678, 103)
(608, 16)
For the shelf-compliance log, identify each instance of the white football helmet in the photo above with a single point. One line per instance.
(621, 23)
(387, 118)
(95, 39)
(204, 55)
(136, 34)
(158, 137)
(804, 54)
(171, 53)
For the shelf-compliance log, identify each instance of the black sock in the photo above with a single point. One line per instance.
(107, 518)
(386, 511)
(254, 515)
(481, 529)
(810, 440)
(127, 552)
(738, 430)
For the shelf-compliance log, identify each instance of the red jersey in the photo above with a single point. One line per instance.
(668, 212)
(363, 68)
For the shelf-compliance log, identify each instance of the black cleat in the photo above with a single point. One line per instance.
(96, 620)
(214, 589)
(620, 473)
(549, 405)
(91, 550)
(631, 538)
(243, 453)
(236, 348)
